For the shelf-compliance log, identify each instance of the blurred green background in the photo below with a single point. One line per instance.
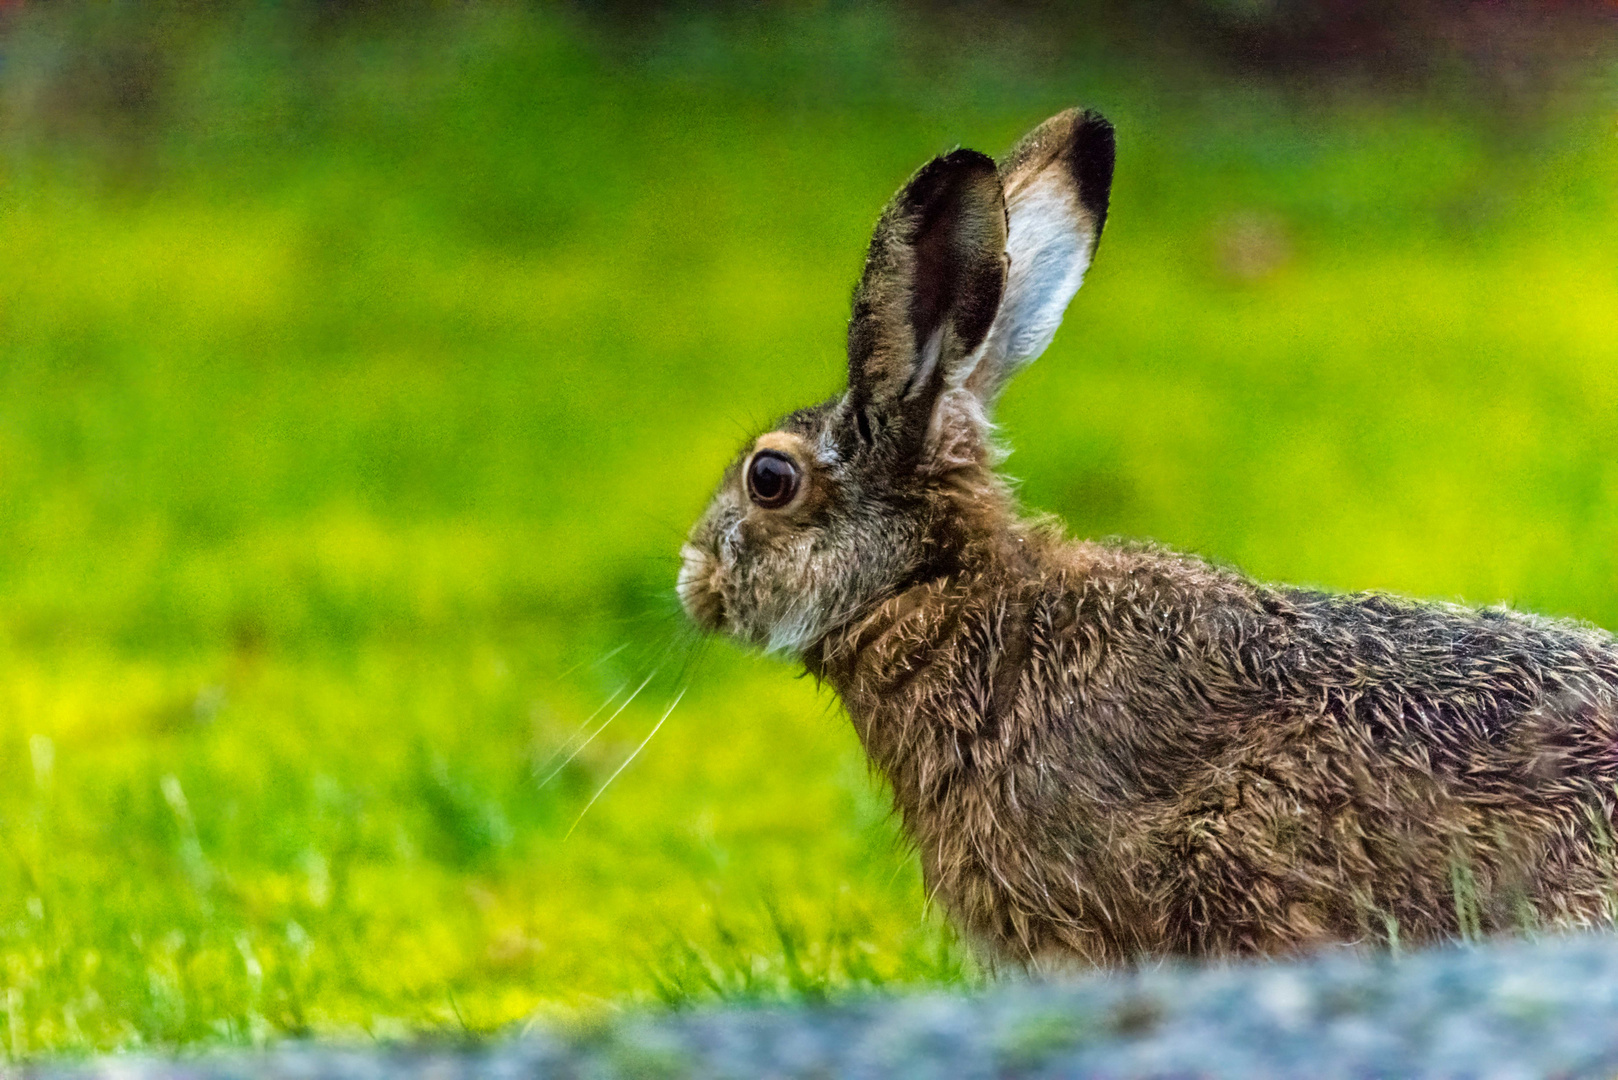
(361, 367)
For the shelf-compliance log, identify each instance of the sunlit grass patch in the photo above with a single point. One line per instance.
(258, 847)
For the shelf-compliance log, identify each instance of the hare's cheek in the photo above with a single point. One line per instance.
(731, 542)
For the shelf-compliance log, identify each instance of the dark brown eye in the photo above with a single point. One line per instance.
(772, 479)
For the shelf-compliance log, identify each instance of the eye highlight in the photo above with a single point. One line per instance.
(772, 479)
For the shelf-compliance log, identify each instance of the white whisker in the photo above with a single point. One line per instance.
(577, 750)
(594, 663)
(567, 742)
(580, 730)
(633, 755)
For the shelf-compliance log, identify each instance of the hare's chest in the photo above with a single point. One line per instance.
(1030, 875)
(1013, 844)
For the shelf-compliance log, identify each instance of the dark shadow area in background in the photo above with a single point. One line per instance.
(116, 75)
(1506, 59)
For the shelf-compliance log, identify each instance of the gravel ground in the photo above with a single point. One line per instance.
(1513, 1009)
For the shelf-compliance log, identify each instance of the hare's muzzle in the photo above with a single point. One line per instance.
(698, 586)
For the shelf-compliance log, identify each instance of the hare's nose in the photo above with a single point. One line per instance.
(698, 588)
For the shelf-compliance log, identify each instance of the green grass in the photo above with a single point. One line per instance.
(352, 408)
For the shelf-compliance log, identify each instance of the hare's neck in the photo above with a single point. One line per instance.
(925, 675)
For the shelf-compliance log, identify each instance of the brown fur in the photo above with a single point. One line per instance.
(1103, 752)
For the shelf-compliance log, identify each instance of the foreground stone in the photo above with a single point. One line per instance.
(1514, 1009)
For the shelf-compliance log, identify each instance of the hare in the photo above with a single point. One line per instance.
(1108, 752)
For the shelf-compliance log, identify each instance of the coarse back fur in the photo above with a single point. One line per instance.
(1104, 752)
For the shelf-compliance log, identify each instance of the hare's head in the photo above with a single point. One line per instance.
(844, 503)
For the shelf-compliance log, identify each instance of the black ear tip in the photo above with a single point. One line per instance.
(1090, 154)
(968, 160)
(946, 174)
(955, 165)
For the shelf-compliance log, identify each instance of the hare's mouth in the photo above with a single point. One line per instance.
(698, 588)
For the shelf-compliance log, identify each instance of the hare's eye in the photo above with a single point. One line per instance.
(772, 479)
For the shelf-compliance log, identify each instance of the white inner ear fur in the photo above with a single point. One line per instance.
(931, 349)
(1050, 240)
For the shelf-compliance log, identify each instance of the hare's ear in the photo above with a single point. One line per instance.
(1057, 182)
(927, 298)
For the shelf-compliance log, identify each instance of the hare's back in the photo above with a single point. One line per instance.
(1200, 657)
(1460, 681)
